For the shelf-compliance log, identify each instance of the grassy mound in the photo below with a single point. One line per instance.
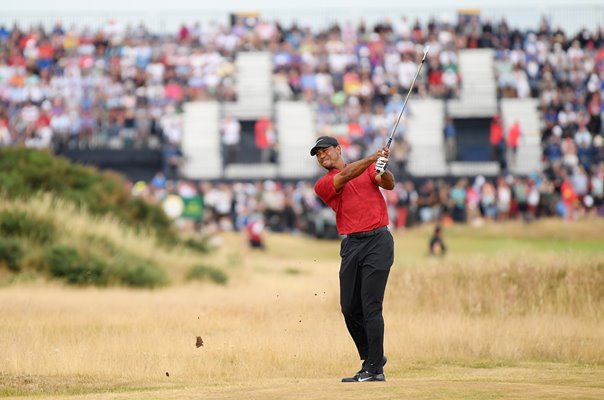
(27, 171)
(73, 223)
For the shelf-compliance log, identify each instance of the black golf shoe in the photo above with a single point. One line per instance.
(365, 376)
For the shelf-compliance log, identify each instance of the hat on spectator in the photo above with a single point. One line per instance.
(323, 142)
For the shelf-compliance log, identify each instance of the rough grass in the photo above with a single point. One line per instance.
(513, 311)
(77, 228)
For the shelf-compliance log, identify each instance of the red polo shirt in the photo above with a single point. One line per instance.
(359, 205)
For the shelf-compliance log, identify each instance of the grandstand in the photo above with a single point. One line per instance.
(254, 68)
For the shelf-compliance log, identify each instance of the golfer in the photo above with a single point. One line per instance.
(353, 192)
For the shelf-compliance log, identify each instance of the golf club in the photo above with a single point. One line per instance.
(408, 95)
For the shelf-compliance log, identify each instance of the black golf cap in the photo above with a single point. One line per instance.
(323, 142)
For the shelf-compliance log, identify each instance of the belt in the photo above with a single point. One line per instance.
(367, 233)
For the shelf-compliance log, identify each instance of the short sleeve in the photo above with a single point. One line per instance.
(371, 171)
(326, 191)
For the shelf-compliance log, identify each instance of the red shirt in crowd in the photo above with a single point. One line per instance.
(260, 133)
(254, 230)
(496, 134)
(45, 51)
(569, 196)
(359, 205)
(435, 77)
(355, 129)
(514, 135)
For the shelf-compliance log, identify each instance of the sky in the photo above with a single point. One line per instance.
(168, 14)
(228, 5)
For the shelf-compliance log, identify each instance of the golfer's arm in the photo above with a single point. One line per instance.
(386, 180)
(351, 171)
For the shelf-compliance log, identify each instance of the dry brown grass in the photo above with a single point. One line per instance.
(76, 227)
(523, 322)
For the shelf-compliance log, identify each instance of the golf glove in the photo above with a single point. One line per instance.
(380, 165)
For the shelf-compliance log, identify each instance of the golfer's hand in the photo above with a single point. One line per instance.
(383, 152)
(380, 165)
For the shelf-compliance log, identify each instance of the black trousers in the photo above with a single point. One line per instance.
(364, 271)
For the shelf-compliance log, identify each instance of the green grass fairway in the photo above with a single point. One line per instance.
(524, 381)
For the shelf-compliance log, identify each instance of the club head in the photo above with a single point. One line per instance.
(426, 49)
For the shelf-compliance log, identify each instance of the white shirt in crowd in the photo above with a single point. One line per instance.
(231, 131)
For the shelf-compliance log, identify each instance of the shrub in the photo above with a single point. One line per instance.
(11, 253)
(201, 272)
(293, 271)
(136, 272)
(66, 262)
(20, 224)
(86, 268)
(195, 244)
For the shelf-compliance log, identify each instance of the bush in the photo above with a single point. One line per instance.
(67, 263)
(20, 224)
(201, 272)
(11, 253)
(195, 244)
(82, 268)
(142, 274)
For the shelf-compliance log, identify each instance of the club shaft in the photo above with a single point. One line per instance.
(398, 120)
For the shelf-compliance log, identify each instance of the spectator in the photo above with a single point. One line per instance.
(275, 202)
(598, 150)
(497, 141)
(457, 197)
(488, 201)
(532, 200)
(406, 204)
(504, 199)
(553, 148)
(427, 201)
(520, 192)
(473, 214)
(597, 189)
(450, 140)
(264, 134)
(231, 138)
(513, 139)
(437, 244)
(400, 157)
(569, 199)
(254, 230)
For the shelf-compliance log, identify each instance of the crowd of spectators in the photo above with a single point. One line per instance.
(358, 76)
(566, 75)
(124, 87)
(117, 87)
(293, 207)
